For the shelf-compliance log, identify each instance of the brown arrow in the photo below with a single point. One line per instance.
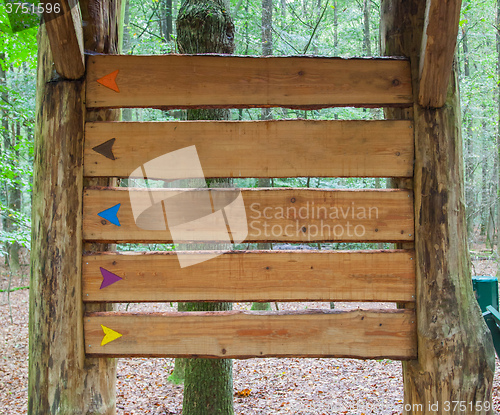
(106, 149)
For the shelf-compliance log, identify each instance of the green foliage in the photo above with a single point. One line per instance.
(17, 109)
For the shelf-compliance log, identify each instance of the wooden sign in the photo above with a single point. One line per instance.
(290, 215)
(250, 149)
(181, 81)
(240, 276)
(389, 334)
(295, 148)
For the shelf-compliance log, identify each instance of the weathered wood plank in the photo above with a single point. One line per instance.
(64, 30)
(183, 81)
(295, 148)
(438, 50)
(373, 334)
(271, 214)
(252, 276)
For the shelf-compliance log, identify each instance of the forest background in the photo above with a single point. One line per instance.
(278, 27)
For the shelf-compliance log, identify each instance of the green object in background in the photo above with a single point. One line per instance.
(492, 318)
(486, 291)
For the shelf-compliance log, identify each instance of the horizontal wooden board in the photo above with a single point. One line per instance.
(373, 334)
(290, 214)
(295, 148)
(183, 81)
(252, 276)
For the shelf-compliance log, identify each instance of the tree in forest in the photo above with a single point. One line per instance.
(205, 26)
(498, 127)
(61, 379)
(10, 131)
(456, 359)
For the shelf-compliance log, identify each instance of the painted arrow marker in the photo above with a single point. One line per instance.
(109, 81)
(109, 335)
(111, 214)
(106, 149)
(108, 278)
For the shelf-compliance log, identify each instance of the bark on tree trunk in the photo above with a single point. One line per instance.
(455, 352)
(61, 379)
(205, 26)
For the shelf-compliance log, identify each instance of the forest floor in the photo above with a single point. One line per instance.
(261, 386)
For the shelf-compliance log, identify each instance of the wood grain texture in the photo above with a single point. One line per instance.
(58, 375)
(373, 334)
(184, 81)
(438, 50)
(455, 350)
(272, 214)
(65, 34)
(295, 148)
(253, 276)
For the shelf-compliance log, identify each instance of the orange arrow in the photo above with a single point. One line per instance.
(109, 81)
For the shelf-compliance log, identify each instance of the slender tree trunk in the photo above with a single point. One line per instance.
(455, 351)
(470, 195)
(126, 45)
(484, 179)
(335, 28)
(267, 27)
(165, 17)
(283, 6)
(367, 47)
(15, 199)
(169, 27)
(61, 379)
(492, 198)
(247, 30)
(13, 192)
(498, 129)
(10, 192)
(205, 26)
(126, 113)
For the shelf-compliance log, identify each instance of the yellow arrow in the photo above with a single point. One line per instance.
(109, 81)
(109, 335)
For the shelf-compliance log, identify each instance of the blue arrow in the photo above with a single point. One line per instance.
(110, 214)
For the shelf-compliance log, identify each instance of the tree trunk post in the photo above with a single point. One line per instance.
(61, 379)
(455, 352)
(205, 26)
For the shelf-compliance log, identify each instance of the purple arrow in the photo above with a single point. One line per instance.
(108, 278)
